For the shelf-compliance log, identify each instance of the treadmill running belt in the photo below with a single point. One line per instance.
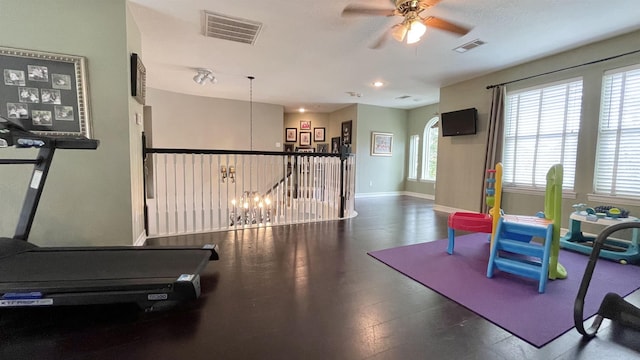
(37, 266)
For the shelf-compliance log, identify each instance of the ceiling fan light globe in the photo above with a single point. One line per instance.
(412, 39)
(399, 32)
(417, 29)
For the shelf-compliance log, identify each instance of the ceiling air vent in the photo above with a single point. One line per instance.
(229, 28)
(468, 46)
(403, 97)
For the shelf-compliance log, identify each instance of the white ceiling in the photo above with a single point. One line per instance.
(308, 55)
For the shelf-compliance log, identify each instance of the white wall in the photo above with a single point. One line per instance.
(197, 122)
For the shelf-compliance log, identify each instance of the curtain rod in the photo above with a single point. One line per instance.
(563, 69)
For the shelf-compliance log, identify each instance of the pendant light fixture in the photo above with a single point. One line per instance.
(251, 78)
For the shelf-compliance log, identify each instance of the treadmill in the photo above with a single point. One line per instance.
(154, 278)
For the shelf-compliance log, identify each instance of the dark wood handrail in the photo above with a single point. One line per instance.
(234, 152)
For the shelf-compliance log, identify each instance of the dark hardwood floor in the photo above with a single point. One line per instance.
(300, 292)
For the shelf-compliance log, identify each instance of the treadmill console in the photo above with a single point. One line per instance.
(12, 133)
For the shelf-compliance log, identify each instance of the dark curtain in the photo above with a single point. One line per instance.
(494, 136)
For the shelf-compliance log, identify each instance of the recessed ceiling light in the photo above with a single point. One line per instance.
(378, 83)
(301, 110)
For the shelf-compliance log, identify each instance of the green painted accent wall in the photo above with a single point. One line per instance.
(418, 119)
(88, 197)
(380, 174)
(461, 159)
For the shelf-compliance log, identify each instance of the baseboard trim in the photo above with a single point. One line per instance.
(419, 195)
(395, 193)
(378, 194)
(141, 240)
(447, 209)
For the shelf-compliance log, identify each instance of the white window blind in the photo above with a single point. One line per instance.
(541, 129)
(430, 150)
(617, 170)
(413, 156)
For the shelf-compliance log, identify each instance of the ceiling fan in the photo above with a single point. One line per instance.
(413, 26)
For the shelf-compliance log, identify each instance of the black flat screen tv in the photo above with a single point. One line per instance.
(460, 122)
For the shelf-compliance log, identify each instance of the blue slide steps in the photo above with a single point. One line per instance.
(513, 251)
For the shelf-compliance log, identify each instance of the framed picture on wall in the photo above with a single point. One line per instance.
(318, 134)
(381, 144)
(138, 79)
(346, 132)
(305, 138)
(291, 134)
(335, 145)
(322, 148)
(305, 125)
(46, 92)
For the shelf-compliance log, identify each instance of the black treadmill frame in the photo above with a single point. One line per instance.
(150, 293)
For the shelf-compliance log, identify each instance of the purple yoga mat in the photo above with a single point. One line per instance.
(507, 300)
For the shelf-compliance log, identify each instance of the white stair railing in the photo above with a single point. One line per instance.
(195, 191)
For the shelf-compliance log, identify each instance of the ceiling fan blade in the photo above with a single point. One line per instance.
(380, 42)
(355, 10)
(445, 25)
(430, 3)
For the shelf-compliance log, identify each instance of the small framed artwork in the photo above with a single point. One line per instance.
(305, 138)
(305, 149)
(288, 147)
(138, 79)
(381, 144)
(322, 148)
(318, 134)
(305, 125)
(346, 132)
(335, 145)
(291, 134)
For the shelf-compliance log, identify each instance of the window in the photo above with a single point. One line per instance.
(541, 129)
(430, 150)
(414, 141)
(617, 172)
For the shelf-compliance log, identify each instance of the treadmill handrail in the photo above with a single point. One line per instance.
(578, 308)
(14, 134)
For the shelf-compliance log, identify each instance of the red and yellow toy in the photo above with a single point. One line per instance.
(478, 222)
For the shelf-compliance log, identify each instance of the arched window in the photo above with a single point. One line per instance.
(430, 150)
(414, 142)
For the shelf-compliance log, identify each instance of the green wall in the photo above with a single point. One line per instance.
(418, 119)
(336, 118)
(380, 174)
(459, 182)
(88, 197)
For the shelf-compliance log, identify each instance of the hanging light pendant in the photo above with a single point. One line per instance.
(251, 78)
